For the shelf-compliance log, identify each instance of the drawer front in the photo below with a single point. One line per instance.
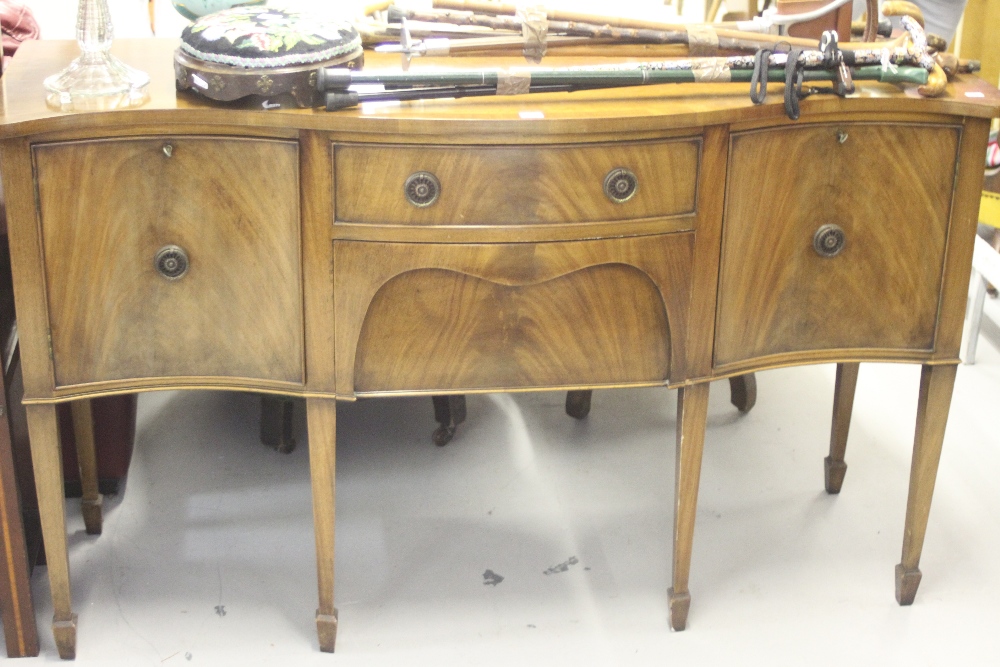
(888, 190)
(421, 317)
(504, 185)
(109, 207)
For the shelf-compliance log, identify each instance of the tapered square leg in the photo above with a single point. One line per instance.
(326, 629)
(834, 467)
(936, 385)
(322, 418)
(449, 412)
(65, 635)
(46, 457)
(692, 412)
(86, 454)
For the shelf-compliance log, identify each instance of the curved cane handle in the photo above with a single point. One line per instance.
(948, 62)
(903, 8)
(936, 82)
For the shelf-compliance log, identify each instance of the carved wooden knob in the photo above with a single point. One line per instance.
(422, 188)
(620, 185)
(828, 241)
(171, 262)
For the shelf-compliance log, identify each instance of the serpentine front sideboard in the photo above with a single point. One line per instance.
(663, 236)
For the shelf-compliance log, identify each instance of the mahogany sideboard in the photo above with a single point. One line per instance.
(660, 236)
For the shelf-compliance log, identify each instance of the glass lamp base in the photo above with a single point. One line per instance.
(97, 80)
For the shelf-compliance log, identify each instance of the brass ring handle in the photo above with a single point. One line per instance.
(171, 262)
(422, 189)
(620, 185)
(829, 240)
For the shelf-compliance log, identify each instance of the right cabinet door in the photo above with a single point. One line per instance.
(833, 239)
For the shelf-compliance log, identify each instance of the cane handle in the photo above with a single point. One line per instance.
(936, 82)
(903, 8)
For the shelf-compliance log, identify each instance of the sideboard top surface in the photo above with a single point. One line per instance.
(23, 110)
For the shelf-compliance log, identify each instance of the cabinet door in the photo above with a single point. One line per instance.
(888, 188)
(450, 317)
(231, 205)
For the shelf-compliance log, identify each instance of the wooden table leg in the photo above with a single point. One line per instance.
(834, 467)
(692, 412)
(936, 385)
(276, 414)
(43, 431)
(15, 591)
(743, 392)
(86, 454)
(322, 418)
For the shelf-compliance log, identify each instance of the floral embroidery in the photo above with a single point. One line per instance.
(261, 37)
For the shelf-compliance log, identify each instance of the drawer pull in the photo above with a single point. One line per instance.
(171, 262)
(168, 150)
(620, 185)
(828, 241)
(422, 188)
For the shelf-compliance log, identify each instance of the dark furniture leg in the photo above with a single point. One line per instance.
(449, 412)
(276, 422)
(578, 403)
(743, 392)
(15, 594)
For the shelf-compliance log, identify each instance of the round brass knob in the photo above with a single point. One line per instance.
(828, 241)
(620, 185)
(171, 262)
(422, 189)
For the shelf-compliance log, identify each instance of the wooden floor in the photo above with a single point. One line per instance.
(536, 539)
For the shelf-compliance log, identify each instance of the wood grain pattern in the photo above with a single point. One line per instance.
(489, 185)
(480, 298)
(882, 291)
(107, 207)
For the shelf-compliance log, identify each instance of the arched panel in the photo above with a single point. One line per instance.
(436, 329)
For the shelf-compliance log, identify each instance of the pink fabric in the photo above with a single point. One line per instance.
(18, 24)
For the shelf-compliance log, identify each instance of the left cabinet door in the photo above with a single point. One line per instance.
(172, 257)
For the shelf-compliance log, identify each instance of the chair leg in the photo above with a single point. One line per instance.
(578, 403)
(449, 412)
(276, 422)
(86, 453)
(743, 392)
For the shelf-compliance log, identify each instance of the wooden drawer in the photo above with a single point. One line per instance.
(504, 185)
(107, 208)
(888, 187)
(422, 316)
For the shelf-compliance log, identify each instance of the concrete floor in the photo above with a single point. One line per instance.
(207, 557)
